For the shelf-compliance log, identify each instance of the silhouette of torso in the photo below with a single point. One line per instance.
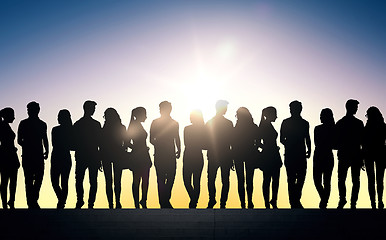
(62, 140)
(244, 141)
(295, 131)
(164, 130)
(270, 149)
(374, 138)
(139, 147)
(111, 144)
(220, 137)
(87, 133)
(194, 139)
(31, 133)
(325, 138)
(349, 134)
(8, 158)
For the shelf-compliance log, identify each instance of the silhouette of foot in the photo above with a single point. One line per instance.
(111, 205)
(11, 205)
(373, 205)
(250, 205)
(211, 203)
(243, 205)
(322, 204)
(273, 204)
(60, 205)
(79, 204)
(118, 205)
(353, 206)
(90, 205)
(222, 205)
(342, 203)
(192, 204)
(380, 205)
(136, 205)
(143, 204)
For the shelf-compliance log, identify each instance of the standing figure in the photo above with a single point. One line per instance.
(165, 138)
(87, 135)
(62, 142)
(325, 137)
(32, 137)
(220, 132)
(243, 149)
(194, 139)
(139, 155)
(111, 151)
(349, 136)
(9, 162)
(375, 153)
(270, 156)
(295, 136)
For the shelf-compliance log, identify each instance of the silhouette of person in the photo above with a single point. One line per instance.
(139, 155)
(87, 132)
(325, 136)
(165, 138)
(294, 135)
(349, 137)
(111, 149)
(270, 156)
(220, 132)
(374, 138)
(194, 139)
(62, 143)
(32, 137)
(243, 149)
(9, 162)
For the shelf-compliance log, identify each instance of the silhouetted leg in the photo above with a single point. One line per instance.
(135, 187)
(380, 176)
(327, 185)
(4, 188)
(107, 170)
(12, 188)
(187, 174)
(225, 170)
(291, 180)
(161, 178)
(117, 185)
(266, 184)
(301, 177)
(355, 175)
(250, 171)
(275, 186)
(64, 184)
(55, 175)
(317, 176)
(171, 174)
(239, 165)
(371, 181)
(342, 175)
(197, 183)
(212, 172)
(38, 180)
(80, 169)
(28, 179)
(145, 186)
(93, 176)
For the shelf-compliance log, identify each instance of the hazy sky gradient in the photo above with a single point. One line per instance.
(125, 54)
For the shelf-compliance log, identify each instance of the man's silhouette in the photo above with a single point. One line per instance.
(349, 137)
(87, 132)
(219, 153)
(165, 138)
(295, 136)
(32, 137)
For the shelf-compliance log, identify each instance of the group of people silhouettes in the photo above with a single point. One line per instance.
(243, 148)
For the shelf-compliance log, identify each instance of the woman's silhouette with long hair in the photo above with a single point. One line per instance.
(375, 152)
(112, 148)
(244, 149)
(271, 160)
(139, 155)
(62, 143)
(194, 139)
(9, 162)
(325, 137)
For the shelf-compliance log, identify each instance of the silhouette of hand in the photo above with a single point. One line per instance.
(178, 154)
(308, 154)
(45, 155)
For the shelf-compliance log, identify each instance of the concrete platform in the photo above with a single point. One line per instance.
(192, 224)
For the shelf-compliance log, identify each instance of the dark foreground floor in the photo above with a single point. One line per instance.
(192, 224)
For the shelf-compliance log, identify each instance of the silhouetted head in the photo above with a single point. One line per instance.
(295, 108)
(112, 117)
(327, 116)
(221, 107)
(268, 114)
(7, 115)
(351, 107)
(196, 117)
(243, 115)
(165, 108)
(138, 114)
(64, 117)
(374, 116)
(89, 108)
(33, 109)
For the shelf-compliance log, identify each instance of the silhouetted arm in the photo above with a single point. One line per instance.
(152, 134)
(45, 142)
(20, 134)
(308, 141)
(282, 134)
(178, 142)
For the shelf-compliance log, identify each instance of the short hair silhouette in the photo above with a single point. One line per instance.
(165, 108)
(221, 106)
(33, 109)
(327, 116)
(89, 107)
(352, 106)
(295, 107)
